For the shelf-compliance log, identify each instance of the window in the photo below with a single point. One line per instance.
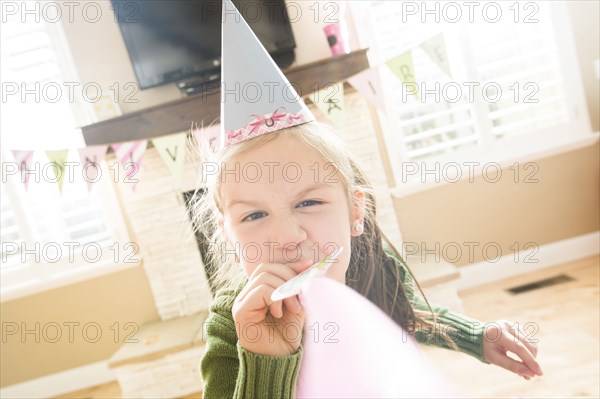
(49, 238)
(513, 87)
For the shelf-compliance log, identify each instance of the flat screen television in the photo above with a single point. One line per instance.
(180, 40)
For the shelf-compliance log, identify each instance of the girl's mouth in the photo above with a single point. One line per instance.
(294, 286)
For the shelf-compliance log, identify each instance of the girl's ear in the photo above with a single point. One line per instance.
(358, 213)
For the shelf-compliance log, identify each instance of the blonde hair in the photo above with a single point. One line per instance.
(372, 271)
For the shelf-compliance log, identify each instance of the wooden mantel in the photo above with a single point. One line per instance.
(178, 115)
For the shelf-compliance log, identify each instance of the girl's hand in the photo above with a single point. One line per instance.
(263, 326)
(502, 337)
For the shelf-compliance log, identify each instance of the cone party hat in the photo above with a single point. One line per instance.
(256, 98)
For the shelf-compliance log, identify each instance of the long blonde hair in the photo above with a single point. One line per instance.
(372, 272)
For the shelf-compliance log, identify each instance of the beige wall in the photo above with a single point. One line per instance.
(121, 297)
(585, 19)
(564, 203)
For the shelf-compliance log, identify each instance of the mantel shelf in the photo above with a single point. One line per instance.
(179, 115)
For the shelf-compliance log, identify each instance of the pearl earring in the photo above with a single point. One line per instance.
(358, 227)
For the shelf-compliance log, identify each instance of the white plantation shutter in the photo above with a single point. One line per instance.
(33, 63)
(522, 59)
(425, 128)
(42, 220)
(10, 232)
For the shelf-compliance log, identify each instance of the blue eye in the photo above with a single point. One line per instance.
(253, 216)
(309, 203)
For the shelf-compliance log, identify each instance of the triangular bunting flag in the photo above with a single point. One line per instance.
(24, 160)
(402, 67)
(172, 150)
(90, 158)
(368, 83)
(436, 50)
(130, 157)
(330, 101)
(58, 159)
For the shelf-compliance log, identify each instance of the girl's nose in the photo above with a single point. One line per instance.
(286, 231)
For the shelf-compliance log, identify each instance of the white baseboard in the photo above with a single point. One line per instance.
(61, 383)
(548, 255)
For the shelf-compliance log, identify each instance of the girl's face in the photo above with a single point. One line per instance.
(284, 203)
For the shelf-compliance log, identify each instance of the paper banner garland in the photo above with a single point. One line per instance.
(368, 83)
(351, 349)
(436, 50)
(402, 67)
(90, 158)
(330, 101)
(130, 155)
(58, 159)
(24, 160)
(244, 119)
(172, 150)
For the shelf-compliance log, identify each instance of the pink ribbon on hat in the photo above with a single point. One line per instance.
(260, 119)
(266, 123)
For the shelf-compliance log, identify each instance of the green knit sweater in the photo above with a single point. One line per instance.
(230, 371)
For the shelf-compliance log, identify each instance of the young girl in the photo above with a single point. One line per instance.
(280, 202)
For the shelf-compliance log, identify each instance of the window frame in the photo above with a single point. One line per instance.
(503, 151)
(14, 283)
(49, 276)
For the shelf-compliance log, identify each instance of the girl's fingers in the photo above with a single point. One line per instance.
(520, 349)
(276, 309)
(519, 339)
(279, 269)
(293, 304)
(532, 346)
(254, 302)
(526, 356)
(513, 339)
(272, 282)
(264, 276)
(521, 336)
(502, 360)
(283, 272)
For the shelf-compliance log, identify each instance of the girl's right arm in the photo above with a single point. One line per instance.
(231, 370)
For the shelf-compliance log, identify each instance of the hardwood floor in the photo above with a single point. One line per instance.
(567, 316)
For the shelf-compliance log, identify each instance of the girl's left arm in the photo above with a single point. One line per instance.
(489, 342)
